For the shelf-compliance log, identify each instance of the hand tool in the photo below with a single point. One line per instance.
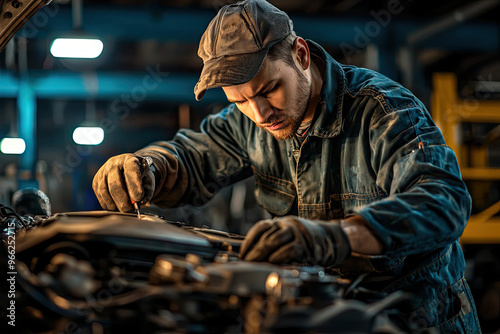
(146, 165)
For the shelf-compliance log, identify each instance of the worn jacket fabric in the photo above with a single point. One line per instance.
(372, 150)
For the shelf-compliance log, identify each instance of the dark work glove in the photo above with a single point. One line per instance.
(121, 179)
(292, 239)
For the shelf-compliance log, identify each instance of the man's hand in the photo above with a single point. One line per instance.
(122, 179)
(291, 239)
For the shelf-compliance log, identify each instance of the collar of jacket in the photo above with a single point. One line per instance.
(328, 119)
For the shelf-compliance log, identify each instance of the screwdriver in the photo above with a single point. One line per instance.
(146, 162)
(136, 206)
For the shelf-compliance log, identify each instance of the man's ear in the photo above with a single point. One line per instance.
(301, 53)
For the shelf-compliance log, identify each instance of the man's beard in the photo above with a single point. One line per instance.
(302, 100)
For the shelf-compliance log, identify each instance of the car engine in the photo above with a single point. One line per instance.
(109, 272)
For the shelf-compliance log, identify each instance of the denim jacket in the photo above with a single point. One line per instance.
(372, 150)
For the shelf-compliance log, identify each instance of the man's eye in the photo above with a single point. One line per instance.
(271, 90)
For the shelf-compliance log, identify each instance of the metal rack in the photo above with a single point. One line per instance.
(449, 111)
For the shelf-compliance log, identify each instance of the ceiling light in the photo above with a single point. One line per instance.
(76, 47)
(12, 146)
(88, 135)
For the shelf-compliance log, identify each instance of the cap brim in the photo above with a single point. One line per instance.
(229, 71)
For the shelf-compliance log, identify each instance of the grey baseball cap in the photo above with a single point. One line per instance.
(236, 42)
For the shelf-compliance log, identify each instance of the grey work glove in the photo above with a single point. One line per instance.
(120, 180)
(291, 239)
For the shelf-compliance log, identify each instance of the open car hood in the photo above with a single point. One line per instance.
(14, 14)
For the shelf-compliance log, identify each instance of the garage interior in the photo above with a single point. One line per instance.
(140, 89)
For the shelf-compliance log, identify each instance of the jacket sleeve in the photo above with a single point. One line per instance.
(193, 166)
(428, 204)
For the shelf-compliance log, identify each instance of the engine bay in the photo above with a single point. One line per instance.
(109, 272)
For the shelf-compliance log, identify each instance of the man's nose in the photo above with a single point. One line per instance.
(261, 109)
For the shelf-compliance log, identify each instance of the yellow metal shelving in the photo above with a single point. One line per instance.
(449, 111)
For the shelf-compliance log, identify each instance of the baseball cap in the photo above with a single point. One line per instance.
(236, 42)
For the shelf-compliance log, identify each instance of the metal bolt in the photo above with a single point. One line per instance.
(16, 4)
(7, 15)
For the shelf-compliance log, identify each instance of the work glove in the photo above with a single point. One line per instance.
(122, 179)
(293, 240)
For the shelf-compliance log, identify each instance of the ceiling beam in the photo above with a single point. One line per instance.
(187, 25)
(128, 88)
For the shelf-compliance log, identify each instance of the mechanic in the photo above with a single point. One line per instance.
(350, 164)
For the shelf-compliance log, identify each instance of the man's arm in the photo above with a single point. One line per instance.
(361, 237)
(206, 161)
(291, 239)
(189, 169)
(427, 207)
(428, 204)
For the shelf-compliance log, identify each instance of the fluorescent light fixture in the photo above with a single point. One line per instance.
(76, 48)
(12, 146)
(88, 135)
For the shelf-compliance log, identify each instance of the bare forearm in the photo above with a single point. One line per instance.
(360, 236)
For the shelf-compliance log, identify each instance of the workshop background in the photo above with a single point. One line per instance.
(140, 89)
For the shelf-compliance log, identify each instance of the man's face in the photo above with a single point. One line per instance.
(276, 99)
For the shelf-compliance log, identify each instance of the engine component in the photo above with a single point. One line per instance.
(111, 272)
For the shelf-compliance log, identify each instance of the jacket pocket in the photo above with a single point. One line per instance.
(353, 200)
(452, 311)
(274, 194)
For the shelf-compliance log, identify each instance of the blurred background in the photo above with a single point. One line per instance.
(136, 87)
